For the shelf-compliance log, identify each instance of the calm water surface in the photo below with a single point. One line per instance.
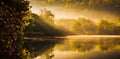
(77, 47)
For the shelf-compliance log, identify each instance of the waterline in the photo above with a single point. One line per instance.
(90, 36)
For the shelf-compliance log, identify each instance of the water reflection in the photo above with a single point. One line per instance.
(41, 46)
(76, 48)
(88, 48)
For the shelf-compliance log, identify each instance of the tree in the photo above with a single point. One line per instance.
(117, 29)
(75, 26)
(106, 27)
(30, 25)
(47, 16)
(11, 27)
(84, 26)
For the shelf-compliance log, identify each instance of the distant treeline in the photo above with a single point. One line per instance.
(87, 26)
(45, 24)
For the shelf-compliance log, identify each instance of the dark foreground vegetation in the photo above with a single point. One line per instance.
(12, 24)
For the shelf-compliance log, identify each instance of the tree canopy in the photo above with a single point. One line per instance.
(11, 27)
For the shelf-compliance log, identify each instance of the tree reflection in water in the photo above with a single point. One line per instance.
(75, 48)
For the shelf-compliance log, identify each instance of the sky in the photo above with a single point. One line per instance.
(92, 9)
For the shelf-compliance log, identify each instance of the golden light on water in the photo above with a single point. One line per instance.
(110, 36)
(91, 36)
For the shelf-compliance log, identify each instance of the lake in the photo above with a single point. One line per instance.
(75, 47)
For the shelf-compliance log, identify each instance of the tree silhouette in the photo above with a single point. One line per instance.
(11, 27)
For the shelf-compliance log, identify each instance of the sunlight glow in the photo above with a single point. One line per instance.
(95, 36)
(36, 11)
(91, 36)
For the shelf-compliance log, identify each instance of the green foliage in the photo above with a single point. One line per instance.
(29, 23)
(11, 27)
